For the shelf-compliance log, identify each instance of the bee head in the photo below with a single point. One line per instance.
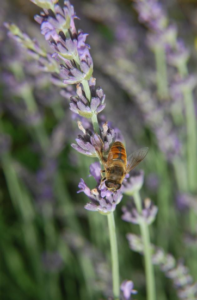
(112, 185)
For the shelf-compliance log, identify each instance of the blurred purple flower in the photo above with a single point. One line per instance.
(133, 182)
(177, 55)
(131, 214)
(127, 289)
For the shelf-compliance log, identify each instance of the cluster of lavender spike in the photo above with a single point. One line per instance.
(177, 272)
(70, 62)
(71, 57)
(164, 35)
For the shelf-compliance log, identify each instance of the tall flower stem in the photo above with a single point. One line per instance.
(191, 131)
(86, 89)
(114, 255)
(150, 281)
(162, 81)
(111, 221)
(95, 123)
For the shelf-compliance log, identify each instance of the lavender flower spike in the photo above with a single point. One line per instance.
(68, 43)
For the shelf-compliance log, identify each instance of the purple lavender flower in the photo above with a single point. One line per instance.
(127, 289)
(102, 200)
(133, 182)
(79, 104)
(91, 143)
(131, 214)
(178, 55)
(151, 13)
(176, 271)
(68, 43)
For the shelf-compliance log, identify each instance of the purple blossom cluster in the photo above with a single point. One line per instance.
(152, 14)
(179, 274)
(131, 214)
(105, 201)
(70, 63)
(73, 65)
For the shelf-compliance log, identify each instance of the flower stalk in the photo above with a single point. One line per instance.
(191, 131)
(150, 281)
(114, 255)
(162, 81)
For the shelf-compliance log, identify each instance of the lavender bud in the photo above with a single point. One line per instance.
(149, 211)
(133, 182)
(178, 56)
(90, 143)
(102, 200)
(127, 289)
(130, 213)
(81, 105)
(45, 4)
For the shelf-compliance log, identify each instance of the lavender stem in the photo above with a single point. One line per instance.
(191, 131)
(191, 136)
(114, 256)
(86, 89)
(95, 123)
(150, 282)
(162, 82)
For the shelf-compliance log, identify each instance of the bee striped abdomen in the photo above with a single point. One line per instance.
(118, 152)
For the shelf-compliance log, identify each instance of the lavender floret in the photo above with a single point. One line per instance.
(102, 200)
(127, 289)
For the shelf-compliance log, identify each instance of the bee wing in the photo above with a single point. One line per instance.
(135, 158)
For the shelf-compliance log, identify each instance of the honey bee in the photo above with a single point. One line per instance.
(117, 164)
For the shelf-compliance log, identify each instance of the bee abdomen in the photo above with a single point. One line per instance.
(118, 151)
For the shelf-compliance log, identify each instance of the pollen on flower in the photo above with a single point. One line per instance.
(95, 192)
(81, 127)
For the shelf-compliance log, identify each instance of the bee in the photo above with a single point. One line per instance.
(117, 164)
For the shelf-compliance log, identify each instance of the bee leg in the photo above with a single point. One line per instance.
(103, 179)
(102, 174)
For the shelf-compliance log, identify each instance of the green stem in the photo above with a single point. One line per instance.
(114, 256)
(95, 123)
(150, 281)
(162, 81)
(191, 132)
(86, 89)
(191, 140)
